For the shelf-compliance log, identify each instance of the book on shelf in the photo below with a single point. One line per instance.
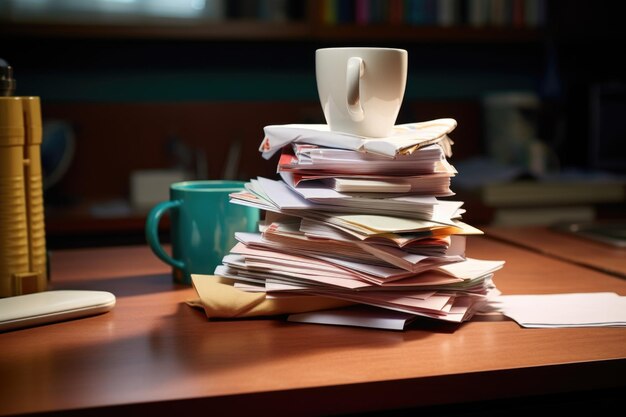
(439, 13)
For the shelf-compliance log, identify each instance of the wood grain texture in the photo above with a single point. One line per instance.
(563, 246)
(153, 353)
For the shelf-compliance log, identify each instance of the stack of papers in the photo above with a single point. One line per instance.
(361, 220)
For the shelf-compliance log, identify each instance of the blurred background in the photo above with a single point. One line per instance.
(137, 94)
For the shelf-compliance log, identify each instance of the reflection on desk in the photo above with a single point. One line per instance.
(599, 256)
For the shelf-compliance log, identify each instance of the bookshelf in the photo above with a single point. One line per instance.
(295, 20)
(138, 80)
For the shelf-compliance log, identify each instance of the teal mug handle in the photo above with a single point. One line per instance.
(152, 234)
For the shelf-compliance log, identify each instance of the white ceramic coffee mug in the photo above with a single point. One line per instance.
(361, 89)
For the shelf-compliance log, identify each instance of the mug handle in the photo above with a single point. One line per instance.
(354, 72)
(152, 235)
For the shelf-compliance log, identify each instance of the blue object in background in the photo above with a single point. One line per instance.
(57, 151)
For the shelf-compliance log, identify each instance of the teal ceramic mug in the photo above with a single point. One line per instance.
(202, 226)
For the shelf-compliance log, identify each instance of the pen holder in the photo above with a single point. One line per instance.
(22, 233)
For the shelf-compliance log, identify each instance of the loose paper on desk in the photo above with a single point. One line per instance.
(360, 316)
(564, 310)
(404, 139)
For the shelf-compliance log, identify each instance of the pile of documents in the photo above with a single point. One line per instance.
(361, 220)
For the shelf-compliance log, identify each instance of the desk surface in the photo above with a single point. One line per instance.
(571, 248)
(154, 353)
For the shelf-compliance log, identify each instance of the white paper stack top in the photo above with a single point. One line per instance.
(404, 139)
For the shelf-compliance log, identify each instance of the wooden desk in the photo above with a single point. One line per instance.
(154, 355)
(563, 246)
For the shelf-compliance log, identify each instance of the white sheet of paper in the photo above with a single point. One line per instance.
(564, 310)
(471, 268)
(360, 316)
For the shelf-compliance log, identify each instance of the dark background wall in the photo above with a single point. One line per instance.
(128, 94)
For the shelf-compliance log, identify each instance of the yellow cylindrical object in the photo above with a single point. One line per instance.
(34, 190)
(14, 253)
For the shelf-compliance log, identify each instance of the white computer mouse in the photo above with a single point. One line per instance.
(52, 306)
